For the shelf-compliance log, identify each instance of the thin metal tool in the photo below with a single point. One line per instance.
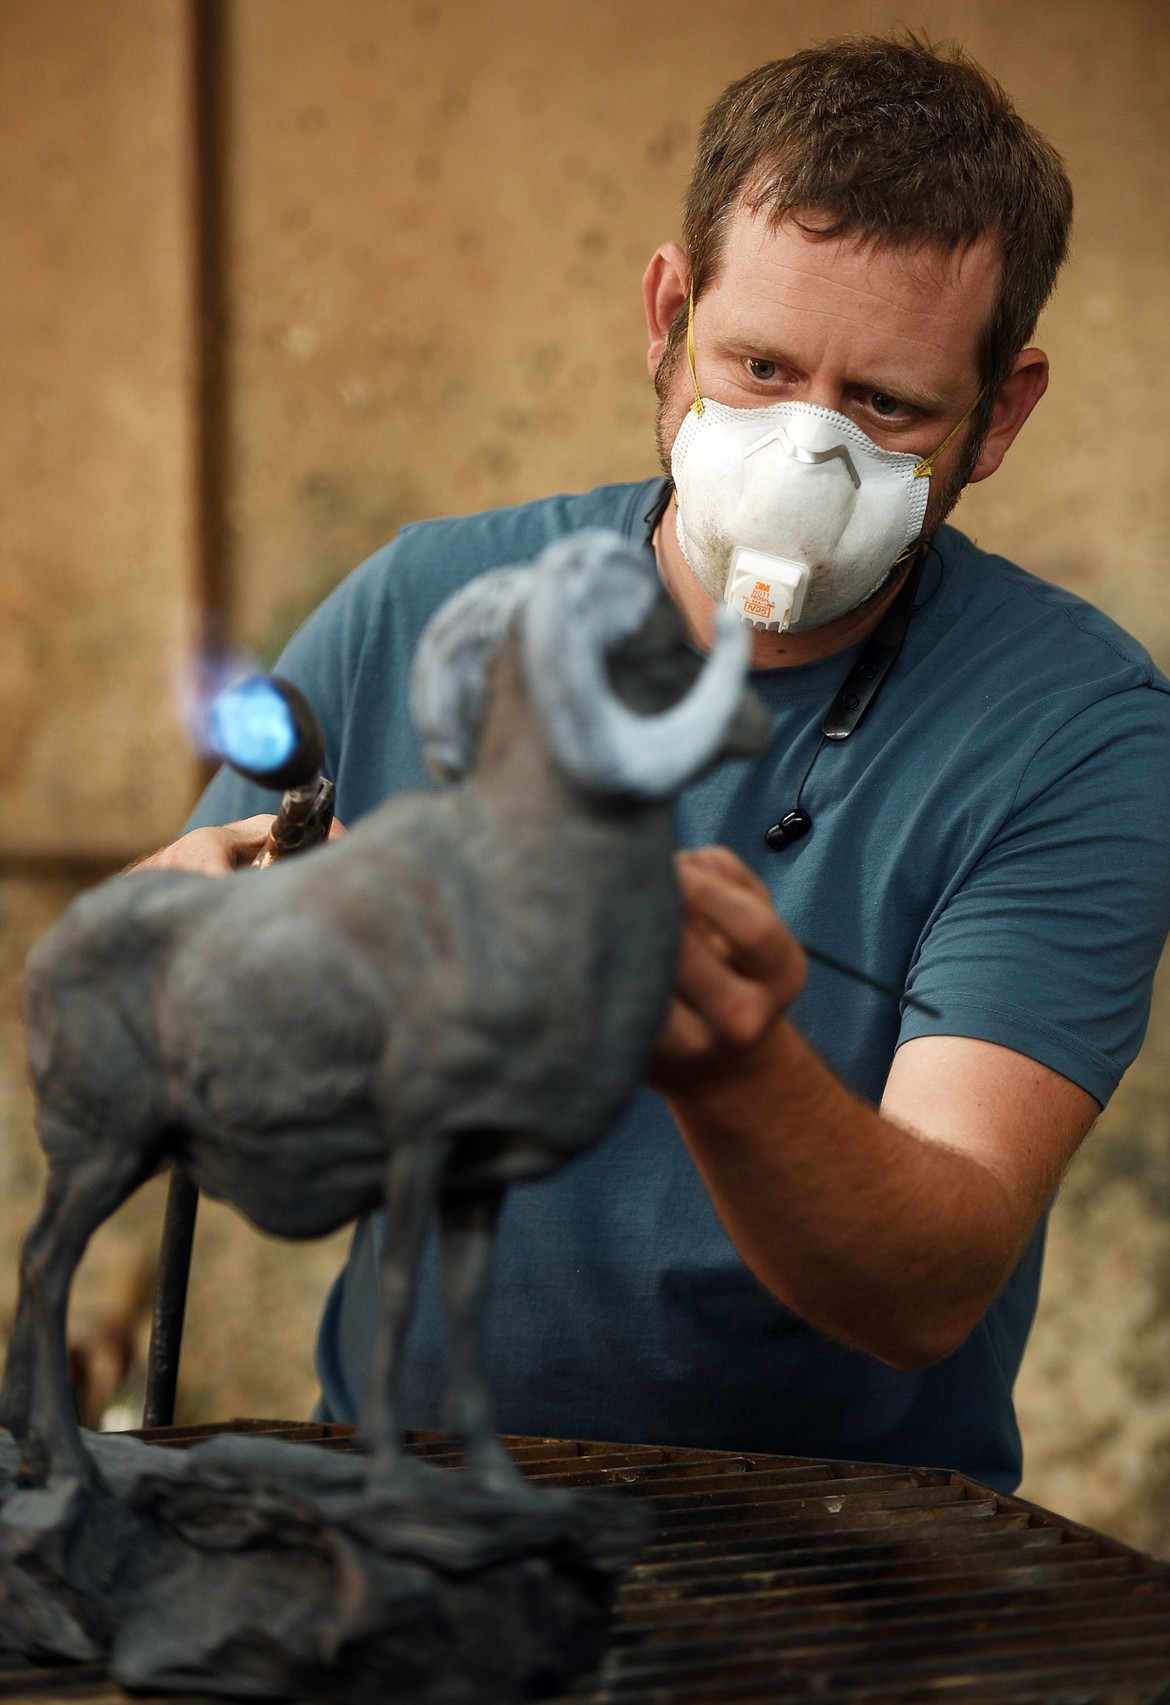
(883, 988)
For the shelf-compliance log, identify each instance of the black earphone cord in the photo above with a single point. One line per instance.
(853, 699)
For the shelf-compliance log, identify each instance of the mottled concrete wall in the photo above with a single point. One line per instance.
(439, 215)
(94, 335)
(95, 611)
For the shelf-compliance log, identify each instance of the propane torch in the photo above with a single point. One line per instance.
(267, 730)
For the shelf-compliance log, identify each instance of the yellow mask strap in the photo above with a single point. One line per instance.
(927, 462)
(697, 405)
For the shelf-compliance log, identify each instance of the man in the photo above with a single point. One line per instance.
(840, 1254)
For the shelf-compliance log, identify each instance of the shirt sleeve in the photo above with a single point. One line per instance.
(1050, 944)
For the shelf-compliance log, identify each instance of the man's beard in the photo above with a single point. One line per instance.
(940, 503)
(663, 376)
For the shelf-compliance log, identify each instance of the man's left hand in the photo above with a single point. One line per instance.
(739, 969)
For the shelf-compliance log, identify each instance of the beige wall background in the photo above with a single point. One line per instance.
(437, 215)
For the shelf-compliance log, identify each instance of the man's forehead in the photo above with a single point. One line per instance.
(753, 239)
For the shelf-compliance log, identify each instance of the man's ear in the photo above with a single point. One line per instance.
(1018, 396)
(664, 290)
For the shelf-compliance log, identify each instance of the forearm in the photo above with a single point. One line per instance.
(881, 1238)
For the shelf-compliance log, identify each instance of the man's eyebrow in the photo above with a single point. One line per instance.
(928, 402)
(906, 392)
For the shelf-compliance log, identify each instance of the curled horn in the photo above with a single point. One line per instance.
(590, 592)
(448, 680)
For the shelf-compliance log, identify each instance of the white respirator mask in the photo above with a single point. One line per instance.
(789, 513)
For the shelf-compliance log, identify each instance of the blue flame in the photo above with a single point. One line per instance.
(251, 726)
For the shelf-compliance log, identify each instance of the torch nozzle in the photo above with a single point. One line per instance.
(304, 819)
(265, 728)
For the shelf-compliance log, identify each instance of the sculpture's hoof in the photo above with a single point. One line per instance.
(492, 1471)
(40, 1464)
(393, 1478)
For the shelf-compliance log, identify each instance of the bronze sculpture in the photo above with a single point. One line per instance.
(460, 995)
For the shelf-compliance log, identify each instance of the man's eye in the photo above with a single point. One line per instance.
(882, 403)
(761, 369)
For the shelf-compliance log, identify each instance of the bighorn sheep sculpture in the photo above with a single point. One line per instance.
(461, 994)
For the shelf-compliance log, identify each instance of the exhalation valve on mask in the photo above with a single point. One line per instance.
(789, 513)
(766, 590)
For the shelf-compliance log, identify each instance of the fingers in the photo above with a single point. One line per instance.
(220, 850)
(721, 862)
(214, 851)
(731, 909)
(242, 841)
(735, 993)
(685, 1041)
(738, 969)
(710, 1004)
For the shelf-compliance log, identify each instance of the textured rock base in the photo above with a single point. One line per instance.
(264, 1569)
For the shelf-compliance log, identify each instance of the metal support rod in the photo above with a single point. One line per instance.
(170, 1300)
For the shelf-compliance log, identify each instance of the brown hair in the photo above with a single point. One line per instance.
(902, 142)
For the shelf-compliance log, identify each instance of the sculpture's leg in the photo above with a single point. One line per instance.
(16, 1391)
(468, 1221)
(412, 1180)
(37, 1401)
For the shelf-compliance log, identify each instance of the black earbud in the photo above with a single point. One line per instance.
(793, 826)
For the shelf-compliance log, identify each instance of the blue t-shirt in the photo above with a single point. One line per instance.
(993, 837)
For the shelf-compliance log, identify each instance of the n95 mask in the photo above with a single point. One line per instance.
(789, 513)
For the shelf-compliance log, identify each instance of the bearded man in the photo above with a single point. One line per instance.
(819, 1229)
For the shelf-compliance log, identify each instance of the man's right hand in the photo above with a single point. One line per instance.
(211, 852)
(218, 851)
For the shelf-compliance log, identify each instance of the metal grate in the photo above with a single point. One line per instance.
(780, 1578)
